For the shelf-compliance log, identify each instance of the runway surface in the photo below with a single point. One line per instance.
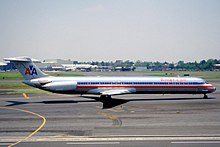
(146, 120)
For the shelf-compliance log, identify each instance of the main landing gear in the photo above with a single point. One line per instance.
(205, 96)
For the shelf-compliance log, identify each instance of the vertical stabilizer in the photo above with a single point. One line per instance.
(26, 67)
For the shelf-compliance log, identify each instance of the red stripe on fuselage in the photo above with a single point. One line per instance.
(122, 86)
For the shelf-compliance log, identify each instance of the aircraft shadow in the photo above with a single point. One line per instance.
(109, 103)
(16, 103)
(167, 99)
(151, 99)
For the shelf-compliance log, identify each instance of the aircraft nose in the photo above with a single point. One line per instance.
(213, 89)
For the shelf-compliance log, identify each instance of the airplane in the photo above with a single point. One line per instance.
(106, 87)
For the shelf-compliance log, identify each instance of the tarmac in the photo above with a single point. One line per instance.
(145, 120)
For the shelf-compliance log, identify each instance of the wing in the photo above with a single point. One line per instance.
(115, 92)
(111, 91)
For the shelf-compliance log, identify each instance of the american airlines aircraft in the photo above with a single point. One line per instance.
(108, 86)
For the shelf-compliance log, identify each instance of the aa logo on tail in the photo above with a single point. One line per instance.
(31, 70)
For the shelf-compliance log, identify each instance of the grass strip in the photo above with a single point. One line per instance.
(18, 76)
(14, 86)
(10, 76)
(202, 74)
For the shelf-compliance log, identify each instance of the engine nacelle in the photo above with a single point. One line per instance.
(60, 86)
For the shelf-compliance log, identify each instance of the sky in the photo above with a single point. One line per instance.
(109, 30)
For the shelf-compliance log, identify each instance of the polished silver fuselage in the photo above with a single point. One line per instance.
(134, 85)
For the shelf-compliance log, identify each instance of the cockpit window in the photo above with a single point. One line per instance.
(205, 82)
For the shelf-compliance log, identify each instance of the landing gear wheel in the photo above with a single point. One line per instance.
(205, 96)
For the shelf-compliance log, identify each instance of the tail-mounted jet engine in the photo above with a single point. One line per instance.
(60, 86)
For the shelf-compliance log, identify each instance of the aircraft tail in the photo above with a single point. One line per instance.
(26, 67)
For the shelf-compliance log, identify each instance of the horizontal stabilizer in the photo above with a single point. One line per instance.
(21, 59)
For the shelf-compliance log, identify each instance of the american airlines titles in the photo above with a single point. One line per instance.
(172, 80)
